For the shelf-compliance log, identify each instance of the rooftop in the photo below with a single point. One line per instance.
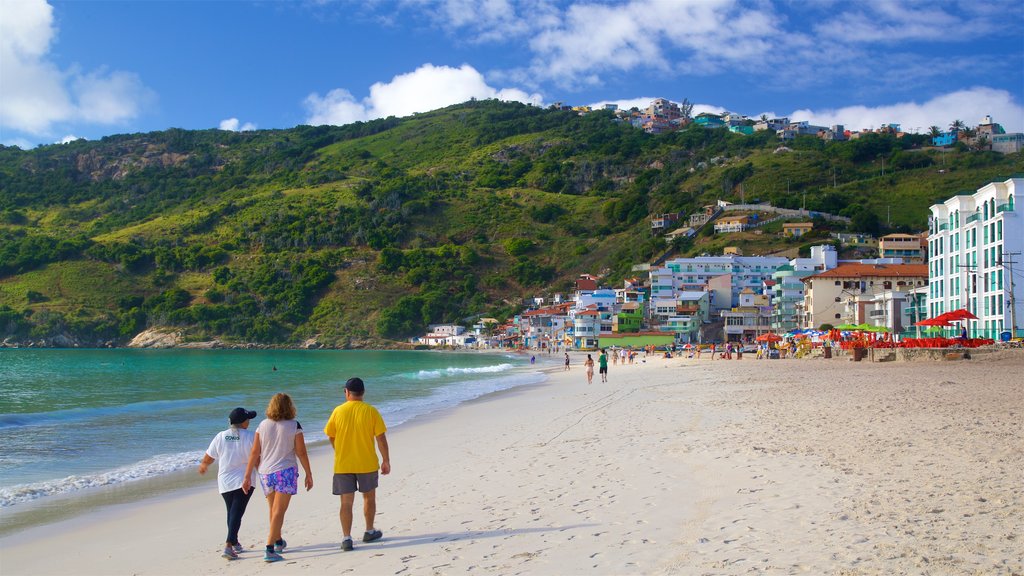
(874, 271)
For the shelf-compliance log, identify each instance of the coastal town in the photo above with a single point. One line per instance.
(663, 115)
(965, 260)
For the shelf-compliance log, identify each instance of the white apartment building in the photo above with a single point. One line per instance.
(974, 249)
(694, 275)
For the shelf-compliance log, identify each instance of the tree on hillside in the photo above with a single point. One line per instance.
(957, 126)
(686, 108)
(934, 131)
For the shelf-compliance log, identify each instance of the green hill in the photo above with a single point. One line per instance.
(364, 233)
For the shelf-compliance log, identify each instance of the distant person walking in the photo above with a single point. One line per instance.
(352, 429)
(278, 444)
(589, 363)
(602, 362)
(230, 449)
(566, 361)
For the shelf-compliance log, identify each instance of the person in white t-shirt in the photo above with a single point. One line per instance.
(231, 448)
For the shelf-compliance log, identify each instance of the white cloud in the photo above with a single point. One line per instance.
(69, 139)
(427, 88)
(968, 105)
(35, 94)
(235, 125)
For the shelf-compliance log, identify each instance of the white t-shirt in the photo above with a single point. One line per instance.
(230, 449)
(277, 438)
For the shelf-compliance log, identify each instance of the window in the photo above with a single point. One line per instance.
(838, 316)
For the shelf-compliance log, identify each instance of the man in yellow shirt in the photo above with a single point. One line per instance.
(352, 429)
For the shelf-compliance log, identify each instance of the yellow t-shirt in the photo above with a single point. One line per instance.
(355, 426)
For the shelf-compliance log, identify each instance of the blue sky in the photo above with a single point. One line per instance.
(86, 69)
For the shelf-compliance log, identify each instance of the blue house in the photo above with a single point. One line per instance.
(707, 120)
(944, 139)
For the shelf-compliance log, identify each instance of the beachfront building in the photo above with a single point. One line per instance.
(586, 326)
(786, 287)
(749, 320)
(724, 277)
(629, 318)
(890, 310)
(912, 248)
(974, 243)
(842, 295)
(545, 327)
(683, 314)
(446, 335)
(604, 301)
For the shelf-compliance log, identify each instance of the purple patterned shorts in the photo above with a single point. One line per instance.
(284, 481)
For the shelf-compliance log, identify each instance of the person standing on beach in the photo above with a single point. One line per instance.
(231, 448)
(589, 363)
(278, 444)
(602, 362)
(566, 361)
(352, 429)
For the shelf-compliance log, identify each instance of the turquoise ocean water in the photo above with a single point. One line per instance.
(79, 421)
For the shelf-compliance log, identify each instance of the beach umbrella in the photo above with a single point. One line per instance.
(769, 337)
(933, 322)
(957, 315)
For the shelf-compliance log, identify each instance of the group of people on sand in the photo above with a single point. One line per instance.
(271, 457)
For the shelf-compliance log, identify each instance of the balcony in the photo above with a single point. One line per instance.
(943, 227)
(1004, 208)
(973, 218)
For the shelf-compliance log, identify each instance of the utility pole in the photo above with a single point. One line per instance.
(972, 278)
(1008, 264)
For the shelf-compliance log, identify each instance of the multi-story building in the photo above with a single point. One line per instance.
(912, 248)
(786, 289)
(974, 242)
(695, 275)
(682, 314)
(749, 320)
(545, 327)
(629, 318)
(842, 295)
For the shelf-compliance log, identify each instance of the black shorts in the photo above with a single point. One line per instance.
(603, 370)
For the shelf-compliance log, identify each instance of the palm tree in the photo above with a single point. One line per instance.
(934, 131)
(957, 126)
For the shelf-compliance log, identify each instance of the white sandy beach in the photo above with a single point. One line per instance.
(673, 467)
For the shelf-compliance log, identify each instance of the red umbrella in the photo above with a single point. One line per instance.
(937, 321)
(769, 337)
(957, 315)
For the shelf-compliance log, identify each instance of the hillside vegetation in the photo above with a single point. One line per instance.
(362, 234)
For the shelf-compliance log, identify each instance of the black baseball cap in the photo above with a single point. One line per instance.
(355, 386)
(239, 415)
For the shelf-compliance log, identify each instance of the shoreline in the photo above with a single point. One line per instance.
(70, 505)
(675, 466)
